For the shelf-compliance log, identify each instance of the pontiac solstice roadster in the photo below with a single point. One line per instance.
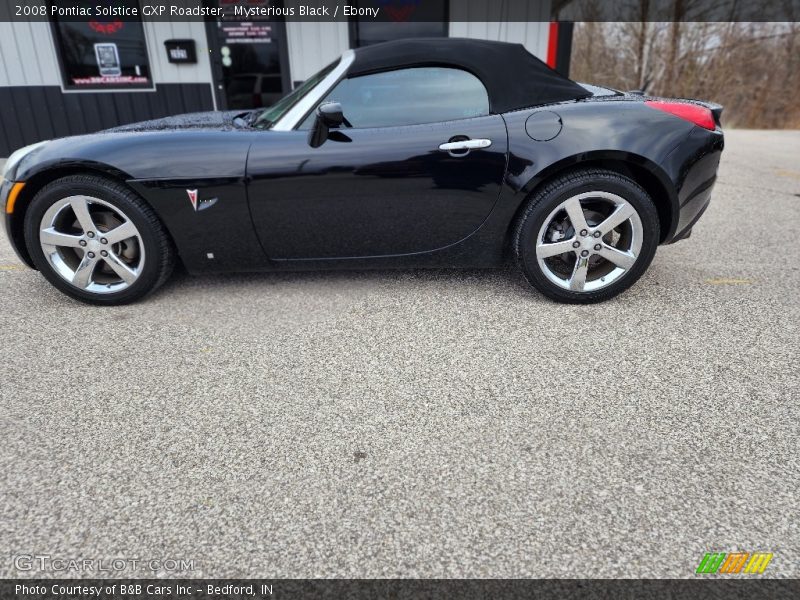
(413, 153)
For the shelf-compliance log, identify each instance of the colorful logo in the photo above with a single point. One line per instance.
(734, 562)
(200, 204)
(107, 28)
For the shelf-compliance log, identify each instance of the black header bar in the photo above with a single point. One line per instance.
(399, 11)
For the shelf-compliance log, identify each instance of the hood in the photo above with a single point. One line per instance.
(200, 120)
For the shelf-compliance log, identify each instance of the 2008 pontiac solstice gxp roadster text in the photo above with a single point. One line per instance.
(414, 153)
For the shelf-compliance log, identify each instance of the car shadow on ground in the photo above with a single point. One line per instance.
(506, 278)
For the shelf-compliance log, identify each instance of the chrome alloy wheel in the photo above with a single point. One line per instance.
(91, 244)
(589, 241)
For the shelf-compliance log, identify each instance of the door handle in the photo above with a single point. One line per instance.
(465, 145)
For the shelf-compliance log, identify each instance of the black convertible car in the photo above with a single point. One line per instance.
(415, 153)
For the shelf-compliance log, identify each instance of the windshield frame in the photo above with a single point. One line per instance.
(264, 118)
(304, 104)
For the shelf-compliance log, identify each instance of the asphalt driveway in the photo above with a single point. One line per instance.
(421, 423)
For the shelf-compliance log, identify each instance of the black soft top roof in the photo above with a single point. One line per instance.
(513, 77)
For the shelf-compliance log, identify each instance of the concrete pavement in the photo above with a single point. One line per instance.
(421, 423)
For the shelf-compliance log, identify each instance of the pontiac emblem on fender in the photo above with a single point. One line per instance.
(193, 198)
(199, 204)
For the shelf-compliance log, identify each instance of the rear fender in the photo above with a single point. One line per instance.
(620, 135)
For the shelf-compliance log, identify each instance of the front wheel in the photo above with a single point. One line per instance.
(587, 236)
(97, 241)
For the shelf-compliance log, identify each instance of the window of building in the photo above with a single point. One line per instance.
(400, 20)
(409, 97)
(103, 53)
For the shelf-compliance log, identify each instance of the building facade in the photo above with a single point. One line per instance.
(67, 78)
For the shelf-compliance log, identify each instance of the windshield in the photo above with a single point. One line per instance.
(280, 108)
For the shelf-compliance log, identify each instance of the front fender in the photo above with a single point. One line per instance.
(161, 166)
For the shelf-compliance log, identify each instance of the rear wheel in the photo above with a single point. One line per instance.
(587, 236)
(97, 241)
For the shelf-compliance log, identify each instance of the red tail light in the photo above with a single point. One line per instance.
(699, 115)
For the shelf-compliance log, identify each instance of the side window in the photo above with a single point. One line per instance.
(409, 97)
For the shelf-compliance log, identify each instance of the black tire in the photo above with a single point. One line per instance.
(158, 249)
(545, 200)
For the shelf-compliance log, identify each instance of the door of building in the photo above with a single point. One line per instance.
(250, 60)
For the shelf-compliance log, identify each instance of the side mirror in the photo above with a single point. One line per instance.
(329, 116)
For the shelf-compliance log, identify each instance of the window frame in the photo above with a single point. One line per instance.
(69, 88)
(294, 117)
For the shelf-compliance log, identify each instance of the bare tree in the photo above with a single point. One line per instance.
(753, 69)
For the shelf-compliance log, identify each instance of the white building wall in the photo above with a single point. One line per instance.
(27, 54)
(518, 22)
(312, 45)
(156, 33)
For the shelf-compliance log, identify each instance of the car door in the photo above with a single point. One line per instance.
(419, 169)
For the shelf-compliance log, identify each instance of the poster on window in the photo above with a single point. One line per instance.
(251, 32)
(103, 54)
(107, 60)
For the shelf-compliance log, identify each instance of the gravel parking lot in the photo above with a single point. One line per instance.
(422, 423)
